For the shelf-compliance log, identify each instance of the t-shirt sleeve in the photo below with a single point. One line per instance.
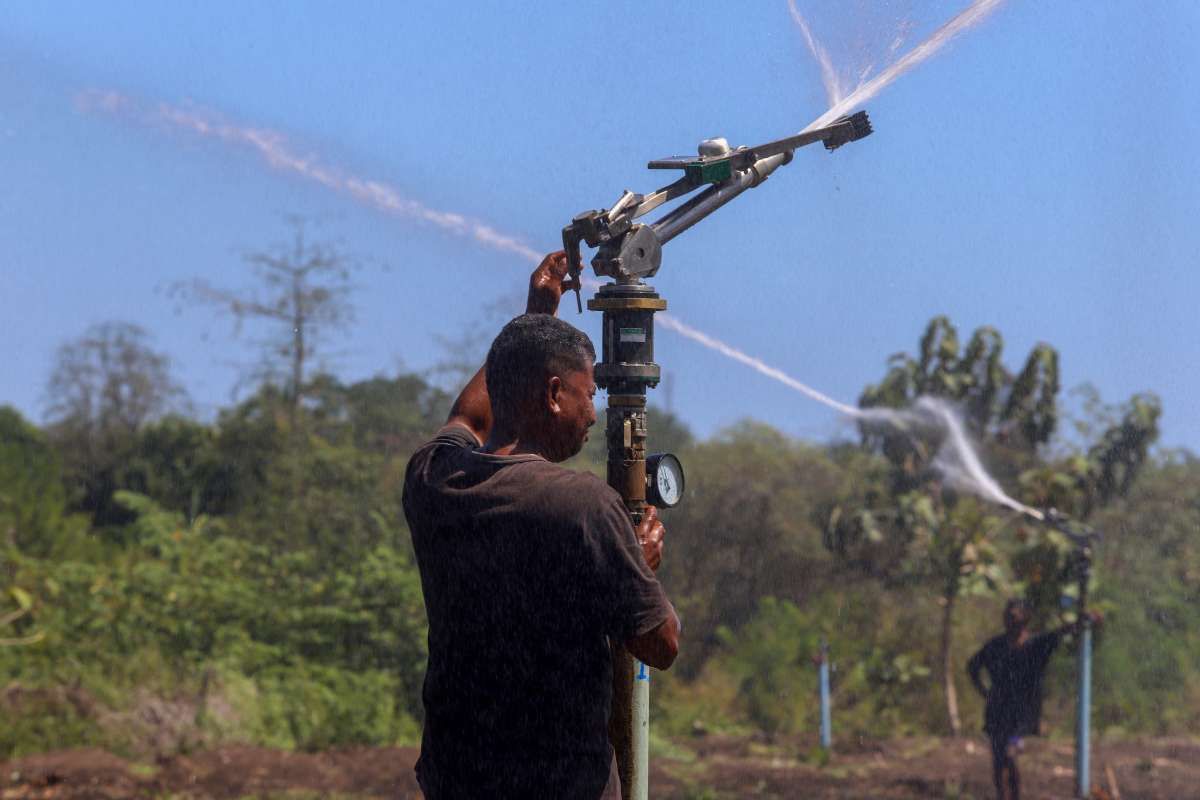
(455, 434)
(626, 597)
(417, 474)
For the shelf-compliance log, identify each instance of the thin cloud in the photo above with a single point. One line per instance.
(275, 149)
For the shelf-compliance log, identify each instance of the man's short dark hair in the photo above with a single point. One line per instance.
(527, 351)
(1018, 605)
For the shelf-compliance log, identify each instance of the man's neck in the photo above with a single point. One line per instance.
(502, 442)
(1017, 639)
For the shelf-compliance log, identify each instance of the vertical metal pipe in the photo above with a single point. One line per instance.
(1083, 714)
(1083, 786)
(620, 720)
(626, 371)
(826, 712)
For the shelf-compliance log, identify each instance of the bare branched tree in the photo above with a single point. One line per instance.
(109, 382)
(303, 292)
(104, 387)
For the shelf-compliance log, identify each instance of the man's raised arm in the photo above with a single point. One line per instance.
(473, 408)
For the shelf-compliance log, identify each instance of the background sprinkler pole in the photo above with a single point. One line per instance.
(626, 370)
(1085, 539)
(826, 711)
(1084, 709)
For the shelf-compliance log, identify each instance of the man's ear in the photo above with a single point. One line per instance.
(554, 392)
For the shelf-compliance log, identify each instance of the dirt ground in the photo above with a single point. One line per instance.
(708, 768)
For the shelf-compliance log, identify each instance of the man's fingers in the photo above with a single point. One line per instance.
(561, 264)
(556, 264)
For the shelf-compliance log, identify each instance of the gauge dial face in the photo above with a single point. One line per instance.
(668, 484)
(668, 480)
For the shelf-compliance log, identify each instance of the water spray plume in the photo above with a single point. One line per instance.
(969, 17)
(755, 364)
(829, 76)
(957, 460)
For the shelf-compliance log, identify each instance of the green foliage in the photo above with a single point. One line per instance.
(313, 707)
(251, 579)
(746, 530)
(175, 461)
(33, 515)
(920, 530)
(259, 586)
(46, 719)
(105, 386)
(770, 659)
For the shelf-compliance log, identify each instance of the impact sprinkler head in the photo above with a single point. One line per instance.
(1080, 534)
(855, 127)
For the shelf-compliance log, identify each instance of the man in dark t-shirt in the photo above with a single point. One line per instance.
(1015, 663)
(528, 571)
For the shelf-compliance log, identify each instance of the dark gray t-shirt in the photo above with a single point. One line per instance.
(1014, 704)
(527, 569)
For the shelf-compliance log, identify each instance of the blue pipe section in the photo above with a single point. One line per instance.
(826, 714)
(1083, 719)
(640, 783)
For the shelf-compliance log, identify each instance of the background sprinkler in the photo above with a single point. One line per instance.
(1084, 537)
(628, 252)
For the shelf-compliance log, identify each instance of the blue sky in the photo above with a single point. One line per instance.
(1038, 175)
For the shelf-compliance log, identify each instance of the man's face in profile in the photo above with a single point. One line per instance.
(1015, 619)
(576, 413)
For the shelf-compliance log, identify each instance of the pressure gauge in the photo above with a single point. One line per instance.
(664, 480)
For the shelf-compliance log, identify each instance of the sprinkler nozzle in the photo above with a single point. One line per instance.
(857, 126)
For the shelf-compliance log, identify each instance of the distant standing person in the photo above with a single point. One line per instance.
(1015, 662)
(529, 570)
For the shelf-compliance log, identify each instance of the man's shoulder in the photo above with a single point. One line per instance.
(577, 492)
(997, 645)
(453, 435)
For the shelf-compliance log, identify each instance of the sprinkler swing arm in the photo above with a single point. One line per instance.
(1084, 538)
(630, 251)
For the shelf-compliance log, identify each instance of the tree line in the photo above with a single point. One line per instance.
(168, 583)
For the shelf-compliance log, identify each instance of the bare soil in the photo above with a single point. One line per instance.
(704, 768)
(905, 769)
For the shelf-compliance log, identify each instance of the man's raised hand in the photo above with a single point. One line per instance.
(547, 284)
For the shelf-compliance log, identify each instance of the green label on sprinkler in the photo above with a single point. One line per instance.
(633, 334)
(713, 172)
